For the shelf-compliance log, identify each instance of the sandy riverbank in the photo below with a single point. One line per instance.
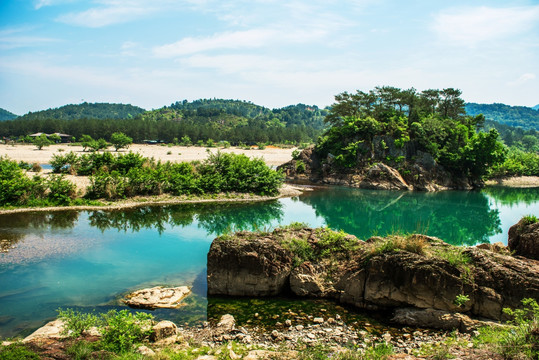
(29, 153)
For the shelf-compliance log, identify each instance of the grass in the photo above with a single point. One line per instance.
(412, 243)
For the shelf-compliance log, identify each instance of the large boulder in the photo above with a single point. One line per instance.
(524, 238)
(248, 265)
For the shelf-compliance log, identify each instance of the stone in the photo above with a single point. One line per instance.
(318, 320)
(524, 239)
(157, 297)
(146, 351)
(51, 330)
(226, 323)
(163, 329)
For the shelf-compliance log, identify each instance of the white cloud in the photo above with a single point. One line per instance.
(524, 78)
(104, 16)
(229, 40)
(473, 25)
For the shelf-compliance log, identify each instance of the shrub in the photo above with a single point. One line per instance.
(461, 300)
(300, 166)
(65, 164)
(295, 154)
(123, 329)
(75, 322)
(62, 191)
(17, 351)
(107, 185)
(302, 250)
(36, 167)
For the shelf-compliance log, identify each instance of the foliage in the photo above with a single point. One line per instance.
(17, 351)
(86, 111)
(517, 116)
(520, 340)
(433, 120)
(6, 115)
(122, 329)
(61, 191)
(41, 141)
(529, 219)
(120, 141)
(300, 166)
(81, 350)
(461, 300)
(97, 145)
(411, 243)
(517, 163)
(75, 322)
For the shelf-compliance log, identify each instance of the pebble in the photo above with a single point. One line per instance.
(318, 320)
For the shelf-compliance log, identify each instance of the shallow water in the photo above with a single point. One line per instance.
(87, 260)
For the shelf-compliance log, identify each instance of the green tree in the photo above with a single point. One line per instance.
(119, 140)
(86, 141)
(41, 141)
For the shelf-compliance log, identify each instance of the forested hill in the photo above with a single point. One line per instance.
(6, 115)
(299, 115)
(86, 111)
(517, 116)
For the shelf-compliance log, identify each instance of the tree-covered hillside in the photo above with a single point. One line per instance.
(231, 120)
(6, 115)
(86, 111)
(517, 116)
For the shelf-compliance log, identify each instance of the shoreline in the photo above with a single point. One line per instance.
(286, 190)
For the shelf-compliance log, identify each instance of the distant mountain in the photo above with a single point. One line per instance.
(6, 115)
(516, 116)
(86, 111)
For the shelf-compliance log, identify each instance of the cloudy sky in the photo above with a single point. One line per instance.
(152, 53)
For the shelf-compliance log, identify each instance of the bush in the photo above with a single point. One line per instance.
(105, 185)
(65, 164)
(17, 351)
(61, 191)
(121, 330)
(75, 322)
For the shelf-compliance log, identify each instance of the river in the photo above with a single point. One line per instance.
(87, 260)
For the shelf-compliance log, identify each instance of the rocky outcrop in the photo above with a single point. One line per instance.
(369, 277)
(247, 265)
(157, 297)
(524, 238)
(379, 166)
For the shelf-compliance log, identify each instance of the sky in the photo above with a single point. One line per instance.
(152, 53)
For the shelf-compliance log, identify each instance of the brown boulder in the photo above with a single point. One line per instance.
(382, 177)
(524, 238)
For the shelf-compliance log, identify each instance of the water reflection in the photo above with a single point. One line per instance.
(512, 196)
(461, 218)
(214, 218)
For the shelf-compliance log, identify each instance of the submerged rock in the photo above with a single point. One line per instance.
(157, 297)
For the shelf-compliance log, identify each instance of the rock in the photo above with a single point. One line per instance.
(437, 319)
(524, 239)
(51, 330)
(382, 177)
(248, 267)
(157, 297)
(226, 323)
(163, 329)
(288, 322)
(318, 320)
(146, 351)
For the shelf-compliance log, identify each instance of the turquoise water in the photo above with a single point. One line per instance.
(87, 260)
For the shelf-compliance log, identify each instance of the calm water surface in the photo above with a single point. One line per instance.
(88, 260)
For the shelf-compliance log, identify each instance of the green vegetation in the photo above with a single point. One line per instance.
(76, 322)
(41, 141)
(17, 351)
(519, 340)
(530, 219)
(120, 141)
(191, 122)
(86, 111)
(461, 300)
(517, 163)
(412, 243)
(517, 116)
(6, 115)
(432, 121)
(127, 175)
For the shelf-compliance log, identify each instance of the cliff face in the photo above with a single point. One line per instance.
(381, 165)
(376, 274)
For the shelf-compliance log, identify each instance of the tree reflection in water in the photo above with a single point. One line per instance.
(458, 217)
(216, 219)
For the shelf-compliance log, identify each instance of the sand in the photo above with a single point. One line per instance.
(30, 154)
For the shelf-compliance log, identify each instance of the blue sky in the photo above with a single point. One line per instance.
(152, 53)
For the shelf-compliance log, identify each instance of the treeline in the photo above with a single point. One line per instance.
(86, 111)
(433, 121)
(234, 121)
(517, 116)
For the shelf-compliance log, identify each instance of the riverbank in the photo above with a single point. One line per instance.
(286, 190)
